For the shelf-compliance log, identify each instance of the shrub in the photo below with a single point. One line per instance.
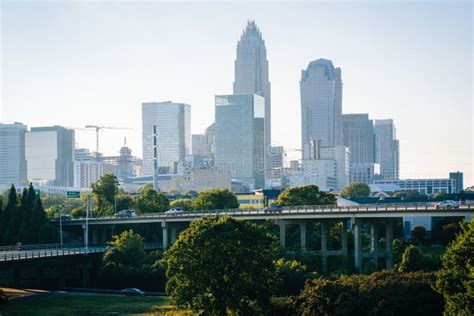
(381, 293)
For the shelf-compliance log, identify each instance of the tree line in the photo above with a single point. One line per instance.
(23, 218)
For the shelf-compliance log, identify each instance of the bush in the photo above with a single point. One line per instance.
(381, 293)
(293, 276)
(419, 233)
(3, 298)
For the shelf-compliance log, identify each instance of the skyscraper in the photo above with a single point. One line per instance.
(251, 72)
(239, 137)
(321, 105)
(358, 135)
(173, 122)
(387, 151)
(49, 155)
(12, 154)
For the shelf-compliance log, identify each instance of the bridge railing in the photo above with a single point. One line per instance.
(23, 255)
(40, 246)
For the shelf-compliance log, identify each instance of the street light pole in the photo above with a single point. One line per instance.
(61, 227)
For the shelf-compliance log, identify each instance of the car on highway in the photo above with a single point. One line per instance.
(274, 208)
(132, 292)
(65, 217)
(447, 204)
(174, 211)
(125, 213)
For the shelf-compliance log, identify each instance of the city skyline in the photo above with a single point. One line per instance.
(419, 143)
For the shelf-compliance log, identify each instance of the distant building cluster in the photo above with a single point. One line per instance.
(236, 150)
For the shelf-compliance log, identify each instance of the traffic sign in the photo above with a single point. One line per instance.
(73, 194)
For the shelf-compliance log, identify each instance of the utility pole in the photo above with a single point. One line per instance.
(155, 159)
(86, 241)
(61, 227)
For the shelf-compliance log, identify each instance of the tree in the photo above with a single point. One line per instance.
(124, 201)
(11, 222)
(355, 190)
(221, 265)
(215, 199)
(293, 276)
(456, 278)
(412, 260)
(305, 195)
(48, 234)
(27, 202)
(408, 194)
(150, 201)
(419, 233)
(185, 204)
(126, 249)
(37, 221)
(104, 193)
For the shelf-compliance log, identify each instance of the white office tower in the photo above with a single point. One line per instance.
(173, 124)
(49, 155)
(12, 154)
(251, 72)
(387, 149)
(321, 104)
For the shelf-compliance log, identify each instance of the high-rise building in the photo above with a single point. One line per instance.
(251, 72)
(321, 105)
(459, 178)
(88, 169)
(12, 154)
(173, 124)
(202, 154)
(49, 155)
(387, 149)
(358, 135)
(239, 137)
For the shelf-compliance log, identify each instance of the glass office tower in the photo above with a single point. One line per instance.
(239, 137)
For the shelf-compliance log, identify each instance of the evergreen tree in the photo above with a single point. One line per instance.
(8, 224)
(27, 201)
(38, 219)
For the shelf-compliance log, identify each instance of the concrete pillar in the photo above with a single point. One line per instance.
(84, 234)
(165, 235)
(324, 247)
(282, 225)
(357, 245)
(374, 244)
(388, 243)
(173, 234)
(303, 236)
(344, 238)
(103, 236)
(95, 236)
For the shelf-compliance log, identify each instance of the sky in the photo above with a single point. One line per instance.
(74, 63)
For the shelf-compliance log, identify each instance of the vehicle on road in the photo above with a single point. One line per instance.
(274, 208)
(174, 211)
(448, 204)
(65, 217)
(125, 213)
(132, 292)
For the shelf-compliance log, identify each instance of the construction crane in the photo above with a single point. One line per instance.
(97, 129)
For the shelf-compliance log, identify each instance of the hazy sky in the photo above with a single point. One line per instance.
(77, 63)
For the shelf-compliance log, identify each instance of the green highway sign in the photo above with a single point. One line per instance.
(73, 194)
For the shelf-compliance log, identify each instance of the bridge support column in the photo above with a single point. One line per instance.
(95, 236)
(164, 227)
(303, 236)
(374, 244)
(173, 234)
(103, 236)
(344, 238)
(324, 247)
(357, 244)
(282, 225)
(389, 243)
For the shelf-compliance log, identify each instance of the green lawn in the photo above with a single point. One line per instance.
(84, 304)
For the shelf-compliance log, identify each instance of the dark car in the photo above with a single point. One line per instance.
(274, 208)
(65, 217)
(132, 292)
(125, 213)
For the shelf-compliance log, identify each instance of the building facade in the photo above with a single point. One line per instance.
(459, 178)
(239, 137)
(251, 72)
(387, 149)
(321, 104)
(12, 154)
(358, 135)
(423, 186)
(49, 155)
(173, 123)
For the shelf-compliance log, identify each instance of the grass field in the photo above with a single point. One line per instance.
(87, 304)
